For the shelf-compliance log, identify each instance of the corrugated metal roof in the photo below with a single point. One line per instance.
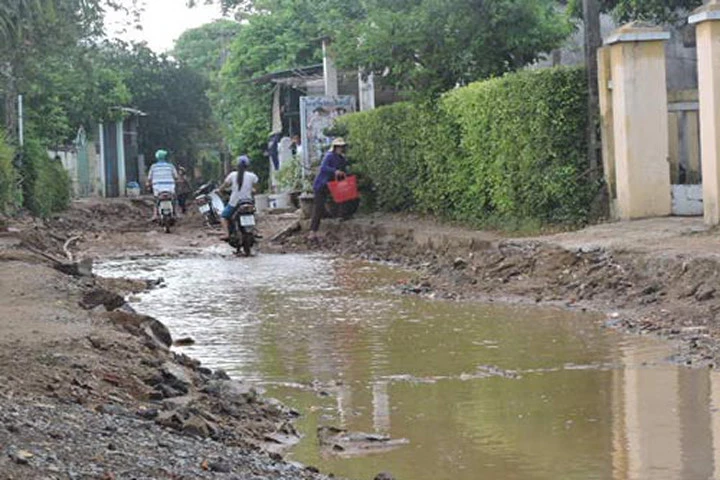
(303, 73)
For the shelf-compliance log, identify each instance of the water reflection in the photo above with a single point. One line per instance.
(663, 421)
(480, 391)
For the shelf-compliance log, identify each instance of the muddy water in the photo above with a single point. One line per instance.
(478, 391)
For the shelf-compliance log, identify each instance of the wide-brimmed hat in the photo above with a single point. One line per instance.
(338, 142)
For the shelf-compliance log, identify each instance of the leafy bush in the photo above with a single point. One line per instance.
(46, 184)
(211, 169)
(8, 177)
(506, 150)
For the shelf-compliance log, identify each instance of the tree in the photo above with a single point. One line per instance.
(427, 46)
(286, 37)
(172, 95)
(423, 45)
(430, 46)
(31, 31)
(659, 11)
(206, 48)
(66, 91)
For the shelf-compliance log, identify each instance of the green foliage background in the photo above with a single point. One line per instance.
(8, 177)
(507, 151)
(46, 184)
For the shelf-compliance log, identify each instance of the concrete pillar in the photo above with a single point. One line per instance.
(329, 71)
(122, 177)
(101, 161)
(640, 126)
(277, 125)
(607, 127)
(707, 20)
(366, 84)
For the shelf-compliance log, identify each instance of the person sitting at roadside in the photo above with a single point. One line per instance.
(333, 167)
(162, 177)
(242, 184)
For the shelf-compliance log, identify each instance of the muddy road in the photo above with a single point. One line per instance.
(91, 389)
(405, 363)
(429, 388)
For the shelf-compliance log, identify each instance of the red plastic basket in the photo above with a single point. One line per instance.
(344, 190)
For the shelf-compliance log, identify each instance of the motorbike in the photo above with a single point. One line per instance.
(165, 210)
(243, 233)
(210, 203)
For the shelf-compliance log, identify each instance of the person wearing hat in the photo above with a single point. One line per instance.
(332, 168)
(162, 177)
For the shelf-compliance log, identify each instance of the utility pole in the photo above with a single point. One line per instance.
(21, 122)
(593, 41)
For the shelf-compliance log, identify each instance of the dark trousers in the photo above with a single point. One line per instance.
(318, 208)
(182, 202)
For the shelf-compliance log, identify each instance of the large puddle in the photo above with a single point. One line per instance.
(479, 391)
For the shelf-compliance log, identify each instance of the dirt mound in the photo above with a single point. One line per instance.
(94, 215)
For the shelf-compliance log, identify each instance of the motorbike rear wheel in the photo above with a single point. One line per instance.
(247, 243)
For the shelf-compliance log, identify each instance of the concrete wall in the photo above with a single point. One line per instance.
(680, 53)
(70, 159)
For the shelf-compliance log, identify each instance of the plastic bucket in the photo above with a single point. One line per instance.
(344, 190)
(132, 189)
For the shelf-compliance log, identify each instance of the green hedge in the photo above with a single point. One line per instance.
(506, 150)
(46, 184)
(8, 178)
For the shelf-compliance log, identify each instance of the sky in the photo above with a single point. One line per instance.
(162, 22)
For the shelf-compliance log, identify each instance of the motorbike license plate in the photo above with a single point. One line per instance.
(204, 208)
(247, 220)
(166, 206)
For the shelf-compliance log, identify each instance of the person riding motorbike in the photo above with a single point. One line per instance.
(242, 184)
(162, 177)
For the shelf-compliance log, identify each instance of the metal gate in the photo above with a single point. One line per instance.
(685, 159)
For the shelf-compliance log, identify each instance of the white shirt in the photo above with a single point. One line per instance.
(162, 175)
(245, 193)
